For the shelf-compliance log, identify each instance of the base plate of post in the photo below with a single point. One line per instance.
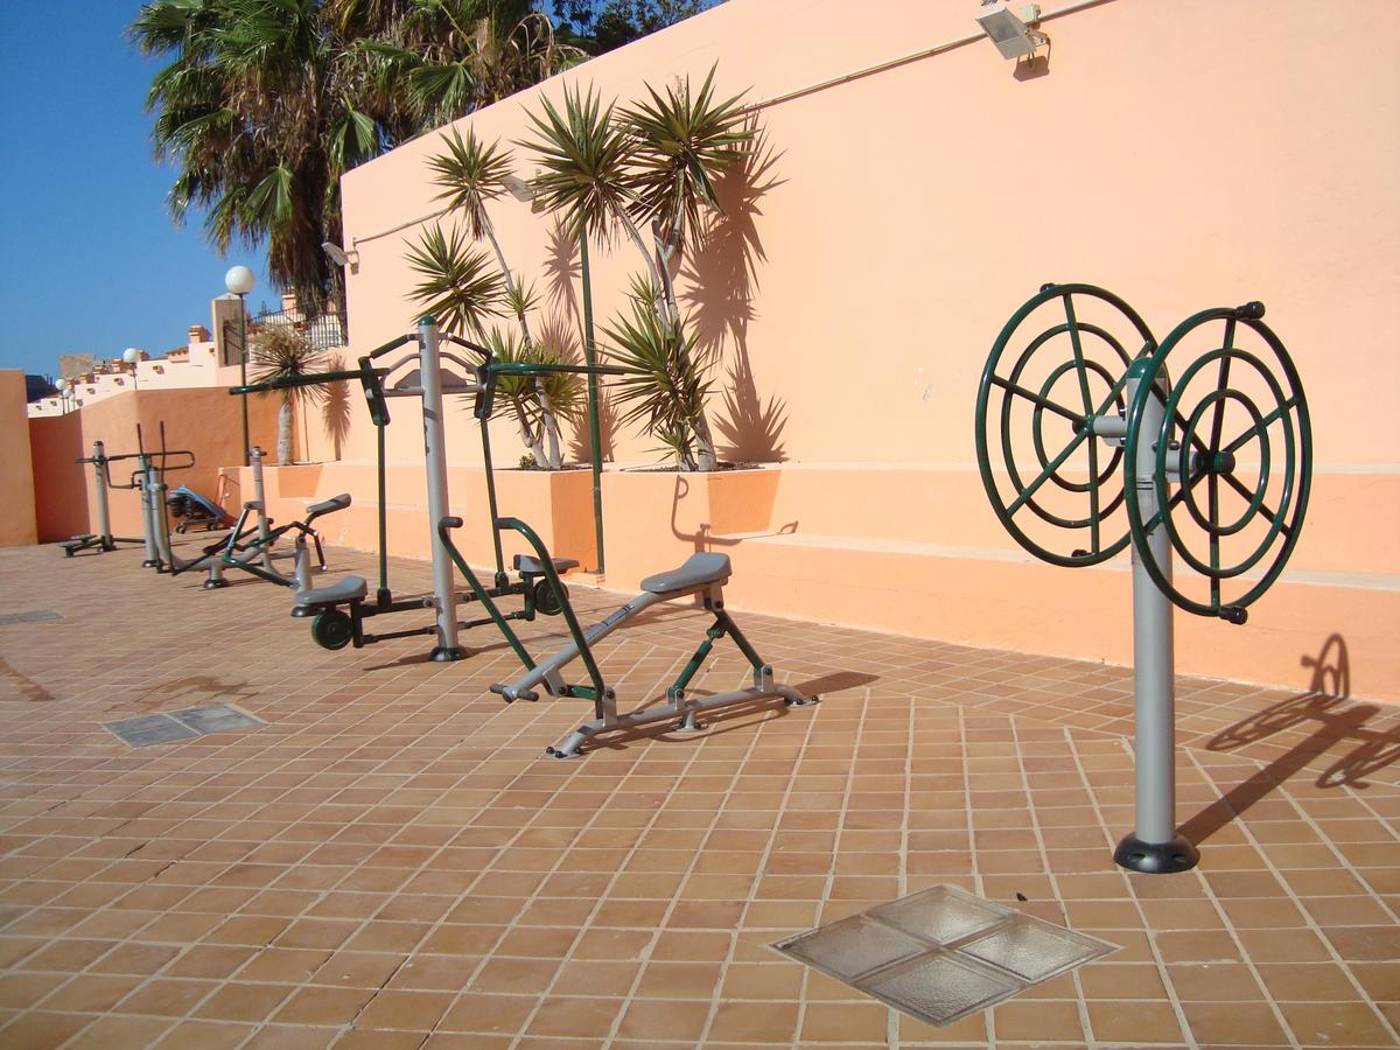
(1156, 858)
(446, 654)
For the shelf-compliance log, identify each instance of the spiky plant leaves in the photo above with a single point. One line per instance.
(469, 174)
(280, 351)
(664, 388)
(583, 155)
(521, 298)
(680, 142)
(460, 287)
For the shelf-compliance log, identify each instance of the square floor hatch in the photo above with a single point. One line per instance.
(942, 953)
(182, 725)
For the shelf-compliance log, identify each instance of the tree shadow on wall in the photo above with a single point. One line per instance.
(562, 267)
(335, 409)
(721, 275)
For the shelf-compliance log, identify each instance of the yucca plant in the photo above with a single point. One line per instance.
(664, 388)
(536, 401)
(652, 164)
(280, 352)
(469, 174)
(459, 287)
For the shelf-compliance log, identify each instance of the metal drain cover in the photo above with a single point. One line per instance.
(181, 725)
(942, 953)
(31, 616)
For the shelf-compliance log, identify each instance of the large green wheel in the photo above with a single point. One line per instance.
(332, 629)
(1060, 360)
(1232, 460)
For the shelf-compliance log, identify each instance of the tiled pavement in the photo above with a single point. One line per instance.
(391, 862)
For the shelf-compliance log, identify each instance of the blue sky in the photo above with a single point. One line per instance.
(90, 261)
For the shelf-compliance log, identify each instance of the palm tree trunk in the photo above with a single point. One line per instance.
(284, 433)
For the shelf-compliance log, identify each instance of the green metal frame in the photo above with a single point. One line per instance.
(1217, 461)
(1098, 551)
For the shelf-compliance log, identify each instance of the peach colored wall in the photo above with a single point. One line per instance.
(1183, 155)
(16, 471)
(205, 420)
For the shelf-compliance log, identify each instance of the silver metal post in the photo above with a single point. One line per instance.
(435, 453)
(1154, 847)
(104, 517)
(255, 456)
(160, 522)
(148, 523)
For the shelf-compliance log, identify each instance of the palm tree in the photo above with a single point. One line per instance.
(470, 174)
(264, 104)
(652, 165)
(280, 352)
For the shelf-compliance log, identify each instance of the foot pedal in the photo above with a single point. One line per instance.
(510, 695)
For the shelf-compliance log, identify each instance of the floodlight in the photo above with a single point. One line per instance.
(519, 188)
(335, 253)
(1009, 31)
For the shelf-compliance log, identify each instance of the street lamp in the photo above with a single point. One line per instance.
(240, 280)
(132, 356)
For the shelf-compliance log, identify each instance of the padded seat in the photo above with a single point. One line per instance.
(346, 589)
(531, 566)
(700, 570)
(326, 506)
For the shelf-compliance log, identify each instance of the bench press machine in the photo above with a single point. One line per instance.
(702, 576)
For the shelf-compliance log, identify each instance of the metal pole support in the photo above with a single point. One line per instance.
(104, 517)
(435, 452)
(148, 521)
(1154, 847)
(255, 456)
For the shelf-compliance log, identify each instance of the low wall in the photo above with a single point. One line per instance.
(914, 551)
(17, 522)
(207, 421)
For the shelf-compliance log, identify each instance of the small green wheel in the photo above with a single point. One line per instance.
(332, 629)
(547, 600)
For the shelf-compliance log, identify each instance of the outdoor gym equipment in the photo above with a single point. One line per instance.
(1234, 424)
(341, 609)
(251, 547)
(103, 541)
(702, 576)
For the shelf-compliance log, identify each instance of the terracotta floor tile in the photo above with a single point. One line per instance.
(1051, 1021)
(1133, 1022)
(1234, 1023)
(654, 1021)
(473, 1012)
(411, 1010)
(574, 1017)
(323, 1006)
(1337, 1024)
(243, 1002)
(844, 1022)
(169, 998)
(121, 1033)
(754, 1023)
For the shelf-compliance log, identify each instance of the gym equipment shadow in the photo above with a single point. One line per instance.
(730, 719)
(551, 638)
(1325, 702)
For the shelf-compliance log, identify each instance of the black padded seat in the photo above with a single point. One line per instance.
(326, 506)
(531, 566)
(698, 571)
(346, 589)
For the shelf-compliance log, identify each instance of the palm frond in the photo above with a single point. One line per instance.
(460, 288)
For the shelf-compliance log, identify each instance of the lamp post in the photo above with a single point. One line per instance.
(132, 356)
(239, 280)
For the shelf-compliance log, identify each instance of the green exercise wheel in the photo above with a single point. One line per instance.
(1233, 459)
(1059, 362)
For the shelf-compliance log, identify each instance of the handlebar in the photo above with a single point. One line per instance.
(310, 379)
